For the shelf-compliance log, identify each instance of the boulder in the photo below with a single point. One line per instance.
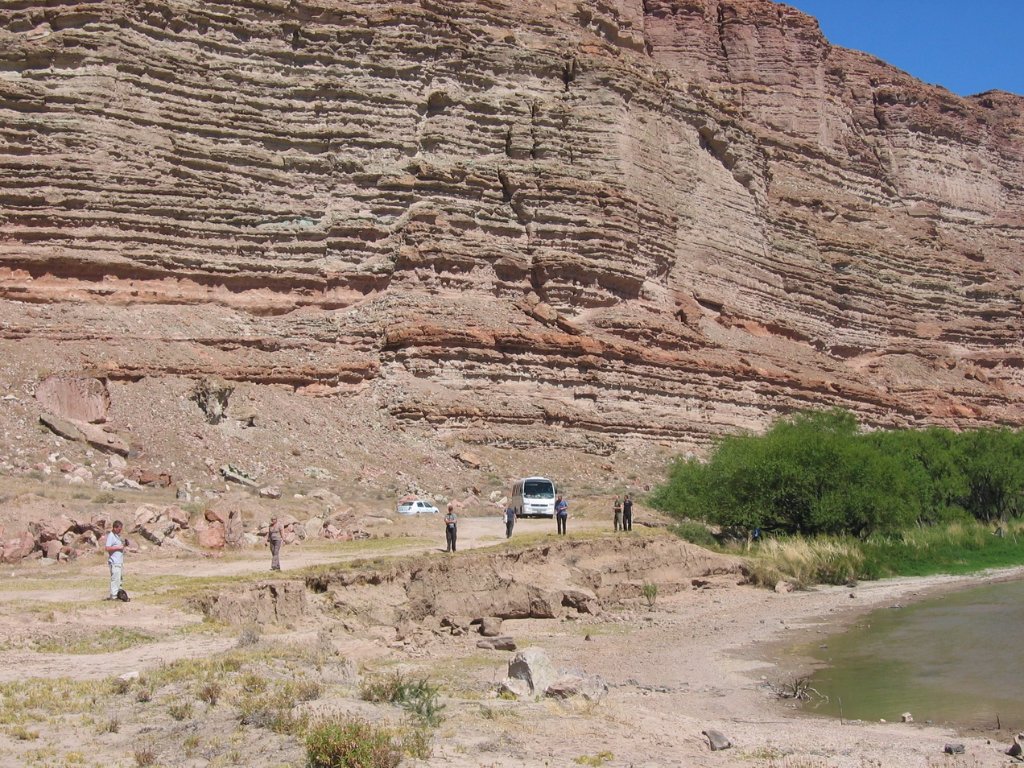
(581, 602)
(503, 643)
(101, 439)
(18, 547)
(717, 740)
(234, 529)
(178, 516)
(529, 674)
(51, 529)
(270, 492)
(52, 548)
(210, 535)
(1017, 748)
(313, 527)
(146, 514)
(61, 427)
(589, 687)
(490, 626)
(213, 516)
(75, 397)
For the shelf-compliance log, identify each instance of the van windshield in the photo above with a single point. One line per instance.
(539, 489)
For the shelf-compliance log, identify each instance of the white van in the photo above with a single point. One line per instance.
(533, 497)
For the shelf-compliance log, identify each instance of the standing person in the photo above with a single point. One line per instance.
(115, 548)
(617, 512)
(451, 532)
(561, 513)
(275, 537)
(627, 514)
(510, 520)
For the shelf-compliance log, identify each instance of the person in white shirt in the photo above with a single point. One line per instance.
(115, 557)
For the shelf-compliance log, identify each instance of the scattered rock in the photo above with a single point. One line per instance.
(783, 587)
(717, 740)
(235, 475)
(503, 643)
(490, 626)
(906, 717)
(954, 749)
(270, 492)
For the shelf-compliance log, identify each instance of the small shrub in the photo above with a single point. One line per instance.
(249, 636)
(21, 733)
(417, 696)
(180, 710)
(113, 725)
(190, 745)
(416, 743)
(304, 690)
(650, 593)
(120, 685)
(383, 688)
(351, 744)
(144, 756)
(209, 692)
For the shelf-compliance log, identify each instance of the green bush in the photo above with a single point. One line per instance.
(816, 473)
(351, 744)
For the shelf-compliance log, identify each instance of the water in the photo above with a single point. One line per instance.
(953, 660)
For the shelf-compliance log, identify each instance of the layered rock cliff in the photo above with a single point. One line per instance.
(541, 224)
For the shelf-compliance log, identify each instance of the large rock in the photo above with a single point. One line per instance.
(529, 674)
(209, 535)
(18, 547)
(75, 397)
(576, 684)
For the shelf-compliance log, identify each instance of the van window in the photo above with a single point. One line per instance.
(539, 489)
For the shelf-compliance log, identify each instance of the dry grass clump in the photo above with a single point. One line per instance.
(806, 561)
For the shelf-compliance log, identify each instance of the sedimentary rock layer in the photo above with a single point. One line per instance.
(670, 218)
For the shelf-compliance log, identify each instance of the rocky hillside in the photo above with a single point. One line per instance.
(562, 235)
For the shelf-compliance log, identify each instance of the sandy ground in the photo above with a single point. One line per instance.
(700, 659)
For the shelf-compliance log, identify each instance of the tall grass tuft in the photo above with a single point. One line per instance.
(819, 560)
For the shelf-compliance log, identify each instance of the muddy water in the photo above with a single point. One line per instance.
(957, 659)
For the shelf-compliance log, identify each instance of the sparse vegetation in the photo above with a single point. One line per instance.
(249, 636)
(108, 640)
(180, 710)
(351, 744)
(594, 760)
(418, 696)
(650, 592)
(144, 756)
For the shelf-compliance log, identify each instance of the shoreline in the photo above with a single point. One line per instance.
(762, 652)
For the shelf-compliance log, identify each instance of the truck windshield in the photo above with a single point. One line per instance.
(538, 489)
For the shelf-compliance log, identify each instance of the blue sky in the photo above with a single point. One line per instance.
(967, 47)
